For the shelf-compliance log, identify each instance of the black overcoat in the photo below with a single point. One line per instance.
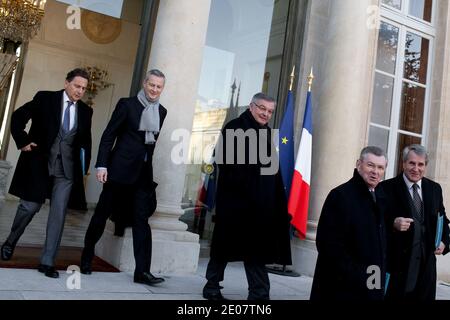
(350, 238)
(400, 243)
(252, 223)
(122, 151)
(31, 179)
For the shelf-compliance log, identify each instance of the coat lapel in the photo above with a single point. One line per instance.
(81, 114)
(161, 116)
(56, 106)
(427, 198)
(404, 195)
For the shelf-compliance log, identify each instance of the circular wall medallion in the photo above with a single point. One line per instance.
(100, 28)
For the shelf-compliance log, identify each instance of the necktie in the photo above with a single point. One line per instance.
(417, 202)
(66, 120)
(372, 193)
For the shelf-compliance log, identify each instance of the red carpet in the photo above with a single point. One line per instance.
(27, 257)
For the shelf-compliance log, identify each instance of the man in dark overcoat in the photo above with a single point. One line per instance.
(351, 244)
(251, 223)
(124, 166)
(50, 163)
(415, 203)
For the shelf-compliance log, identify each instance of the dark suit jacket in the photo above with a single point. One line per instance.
(31, 179)
(350, 238)
(400, 243)
(124, 161)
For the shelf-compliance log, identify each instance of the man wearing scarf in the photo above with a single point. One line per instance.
(124, 166)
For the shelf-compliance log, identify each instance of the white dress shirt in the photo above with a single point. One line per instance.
(72, 110)
(409, 184)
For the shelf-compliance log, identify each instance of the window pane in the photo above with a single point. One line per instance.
(382, 99)
(412, 109)
(416, 58)
(421, 9)
(378, 137)
(387, 48)
(242, 56)
(403, 141)
(397, 4)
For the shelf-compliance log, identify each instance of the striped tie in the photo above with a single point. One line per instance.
(417, 203)
(66, 120)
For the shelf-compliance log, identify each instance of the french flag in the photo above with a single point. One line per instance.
(299, 196)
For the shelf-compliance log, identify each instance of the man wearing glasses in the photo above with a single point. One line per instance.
(252, 222)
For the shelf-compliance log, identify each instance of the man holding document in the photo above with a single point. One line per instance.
(417, 229)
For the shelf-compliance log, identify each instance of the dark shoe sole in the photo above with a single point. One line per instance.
(150, 283)
(214, 297)
(53, 275)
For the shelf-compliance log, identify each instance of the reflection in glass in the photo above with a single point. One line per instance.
(421, 9)
(378, 137)
(382, 99)
(416, 58)
(242, 56)
(403, 141)
(397, 4)
(387, 48)
(412, 108)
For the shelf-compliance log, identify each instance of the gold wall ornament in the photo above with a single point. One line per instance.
(20, 20)
(98, 80)
(100, 28)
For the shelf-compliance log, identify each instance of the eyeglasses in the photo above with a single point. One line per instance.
(263, 109)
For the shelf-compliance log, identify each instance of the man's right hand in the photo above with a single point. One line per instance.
(402, 224)
(102, 175)
(29, 147)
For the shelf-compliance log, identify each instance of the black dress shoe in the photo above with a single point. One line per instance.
(213, 296)
(147, 278)
(7, 251)
(86, 269)
(49, 271)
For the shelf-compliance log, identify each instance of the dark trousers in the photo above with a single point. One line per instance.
(56, 216)
(140, 207)
(425, 288)
(257, 278)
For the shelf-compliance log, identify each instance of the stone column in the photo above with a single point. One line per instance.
(177, 50)
(341, 105)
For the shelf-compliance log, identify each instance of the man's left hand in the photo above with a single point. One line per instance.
(440, 250)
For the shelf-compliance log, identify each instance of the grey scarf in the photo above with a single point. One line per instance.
(149, 118)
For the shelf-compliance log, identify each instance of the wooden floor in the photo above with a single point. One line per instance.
(29, 247)
(27, 257)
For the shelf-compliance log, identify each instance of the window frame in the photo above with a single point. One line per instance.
(405, 18)
(406, 24)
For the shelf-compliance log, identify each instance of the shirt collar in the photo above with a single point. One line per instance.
(409, 184)
(66, 98)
